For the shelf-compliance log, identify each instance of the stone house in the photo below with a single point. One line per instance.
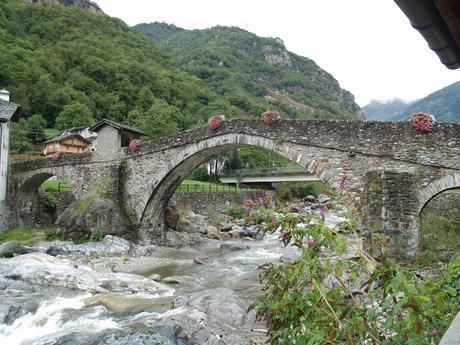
(8, 112)
(70, 143)
(113, 135)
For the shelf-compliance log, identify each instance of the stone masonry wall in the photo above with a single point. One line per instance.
(340, 153)
(220, 201)
(391, 210)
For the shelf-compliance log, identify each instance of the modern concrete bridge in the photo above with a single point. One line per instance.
(385, 171)
(269, 175)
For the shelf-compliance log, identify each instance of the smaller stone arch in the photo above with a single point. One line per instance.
(436, 187)
(26, 195)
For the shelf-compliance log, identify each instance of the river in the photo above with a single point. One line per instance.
(221, 277)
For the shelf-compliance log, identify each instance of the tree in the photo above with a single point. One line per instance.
(35, 126)
(160, 120)
(19, 141)
(74, 115)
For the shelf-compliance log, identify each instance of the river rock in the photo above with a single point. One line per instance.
(43, 269)
(179, 280)
(214, 233)
(201, 259)
(222, 304)
(11, 248)
(113, 337)
(210, 317)
(123, 337)
(121, 304)
(234, 247)
(109, 246)
(155, 277)
(172, 217)
(323, 198)
(83, 217)
(310, 199)
(176, 239)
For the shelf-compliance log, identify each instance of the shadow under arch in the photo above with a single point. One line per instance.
(27, 196)
(152, 218)
(435, 188)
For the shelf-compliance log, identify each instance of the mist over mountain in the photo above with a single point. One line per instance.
(444, 104)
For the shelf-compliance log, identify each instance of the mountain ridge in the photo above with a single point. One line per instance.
(249, 70)
(443, 104)
(82, 4)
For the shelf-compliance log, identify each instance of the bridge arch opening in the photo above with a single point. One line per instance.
(439, 221)
(152, 219)
(42, 198)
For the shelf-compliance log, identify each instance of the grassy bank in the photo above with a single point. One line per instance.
(28, 235)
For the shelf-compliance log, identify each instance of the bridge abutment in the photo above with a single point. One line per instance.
(390, 209)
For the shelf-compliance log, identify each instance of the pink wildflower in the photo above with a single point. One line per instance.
(134, 145)
(270, 117)
(215, 122)
(422, 122)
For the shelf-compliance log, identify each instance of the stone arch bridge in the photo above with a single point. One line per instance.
(385, 171)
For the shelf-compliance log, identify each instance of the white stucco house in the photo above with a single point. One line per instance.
(8, 112)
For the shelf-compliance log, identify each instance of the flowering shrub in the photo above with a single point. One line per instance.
(134, 145)
(215, 122)
(56, 156)
(321, 300)
(270, 117)
(422, 122)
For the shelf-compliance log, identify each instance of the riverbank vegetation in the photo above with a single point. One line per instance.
(323, 299)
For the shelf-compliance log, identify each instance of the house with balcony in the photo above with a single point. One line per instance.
(70, 143)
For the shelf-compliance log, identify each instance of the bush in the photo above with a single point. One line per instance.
(319, 300)
(200, 174)
(287, 191)
(97, 235)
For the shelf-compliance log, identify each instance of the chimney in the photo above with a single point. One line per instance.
(5, 95)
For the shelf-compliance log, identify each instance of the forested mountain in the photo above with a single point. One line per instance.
(72, 65)
(443, 104)
(61, 62)
(255, 73)
(83, 4)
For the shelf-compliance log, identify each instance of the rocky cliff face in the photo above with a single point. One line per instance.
(83, 4)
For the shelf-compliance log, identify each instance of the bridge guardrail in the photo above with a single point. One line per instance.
(213, 188)
(262, 171)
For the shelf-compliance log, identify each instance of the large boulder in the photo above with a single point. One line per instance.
(84, 217)
(45, 270)
(209, 317)
(12, 248)
(172, 217)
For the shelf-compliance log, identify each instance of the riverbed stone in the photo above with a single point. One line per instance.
(11, 248)
(46, 270)
(222, 304)
(83, 217)
(233, 247)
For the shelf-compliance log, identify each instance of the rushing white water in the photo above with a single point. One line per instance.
(47, 323)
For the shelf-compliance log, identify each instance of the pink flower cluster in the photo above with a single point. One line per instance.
(270, 117)
(56, 156)
(215, 122)
(422, 122)
(134, 145)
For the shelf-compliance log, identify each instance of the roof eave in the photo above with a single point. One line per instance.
(427, 19)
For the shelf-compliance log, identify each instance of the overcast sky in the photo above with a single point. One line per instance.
(369, 46)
